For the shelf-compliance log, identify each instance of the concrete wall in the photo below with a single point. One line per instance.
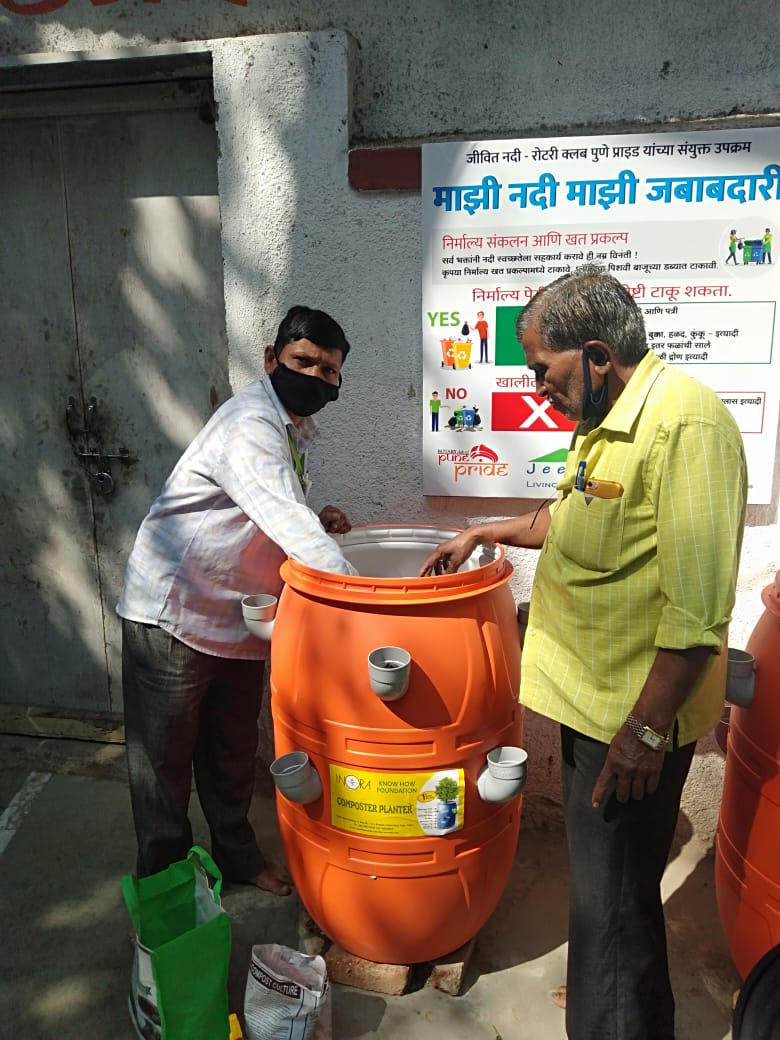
(297, 83)
(441, 67)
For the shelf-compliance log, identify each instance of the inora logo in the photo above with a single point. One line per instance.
(353, 782)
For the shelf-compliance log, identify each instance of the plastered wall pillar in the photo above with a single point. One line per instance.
(283, 132)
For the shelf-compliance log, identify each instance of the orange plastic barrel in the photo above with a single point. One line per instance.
(390, 863)
(747, 863)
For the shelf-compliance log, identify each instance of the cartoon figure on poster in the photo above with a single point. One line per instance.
(767, 246)
(733, 245)
(434, 406)
(755, 250)
(481, 327)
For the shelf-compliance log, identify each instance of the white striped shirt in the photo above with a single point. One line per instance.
(229, 514)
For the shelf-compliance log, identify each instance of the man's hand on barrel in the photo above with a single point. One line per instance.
(448, 556)
(334, 521)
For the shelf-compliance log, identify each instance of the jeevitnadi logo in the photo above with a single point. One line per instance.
(544, 472)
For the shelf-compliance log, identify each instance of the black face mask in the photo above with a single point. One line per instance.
(301, 394)
(594, 406)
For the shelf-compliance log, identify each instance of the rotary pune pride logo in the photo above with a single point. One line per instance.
(479, 461)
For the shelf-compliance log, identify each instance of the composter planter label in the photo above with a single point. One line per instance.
(396, 805)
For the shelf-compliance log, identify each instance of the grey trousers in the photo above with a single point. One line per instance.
(184, 711)
(617, 978)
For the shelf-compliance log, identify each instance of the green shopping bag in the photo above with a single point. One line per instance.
(182, 951)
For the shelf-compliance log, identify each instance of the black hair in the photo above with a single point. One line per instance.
(316, 326)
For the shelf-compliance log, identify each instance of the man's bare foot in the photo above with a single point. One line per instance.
(558, 997)
(273, 879)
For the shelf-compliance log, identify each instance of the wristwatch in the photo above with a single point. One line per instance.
(656, 741)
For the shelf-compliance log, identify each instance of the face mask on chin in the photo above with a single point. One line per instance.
(301, 394)
(594, 406)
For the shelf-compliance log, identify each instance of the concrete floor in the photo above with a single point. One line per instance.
(66, 838)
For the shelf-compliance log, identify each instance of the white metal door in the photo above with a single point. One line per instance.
(113, 354)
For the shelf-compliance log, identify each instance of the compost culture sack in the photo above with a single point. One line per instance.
(285, 991)
(182, 951)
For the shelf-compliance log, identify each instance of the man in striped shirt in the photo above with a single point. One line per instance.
(632, 597)
(231, 511)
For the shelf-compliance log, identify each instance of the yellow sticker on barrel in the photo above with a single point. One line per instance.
(396, 805)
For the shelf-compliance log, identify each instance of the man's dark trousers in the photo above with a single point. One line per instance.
(184, 711)
(617, 981)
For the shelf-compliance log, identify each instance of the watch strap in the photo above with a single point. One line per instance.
(640, 729)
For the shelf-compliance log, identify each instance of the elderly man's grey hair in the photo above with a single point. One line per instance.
(584, 305)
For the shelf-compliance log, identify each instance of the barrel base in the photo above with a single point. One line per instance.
(445, 973)
(407, 903)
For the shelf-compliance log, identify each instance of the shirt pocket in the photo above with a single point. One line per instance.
(590, 532)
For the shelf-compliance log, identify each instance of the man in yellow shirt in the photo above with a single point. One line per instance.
(631, 601)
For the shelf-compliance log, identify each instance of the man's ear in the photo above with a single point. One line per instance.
(269, 360)
(597, 353)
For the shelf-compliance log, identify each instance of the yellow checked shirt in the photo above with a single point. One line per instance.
(655, 567)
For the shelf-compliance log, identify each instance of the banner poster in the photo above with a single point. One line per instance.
(685, 221)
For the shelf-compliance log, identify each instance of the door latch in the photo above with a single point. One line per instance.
(86, 439)
(103, 482)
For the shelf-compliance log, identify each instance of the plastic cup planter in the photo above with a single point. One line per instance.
(740, 678)
(259, 613)
(296, 778)
(388, 672)
(504, 775)
(740, 687)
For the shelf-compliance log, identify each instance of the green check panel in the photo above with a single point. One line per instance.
(508, 350)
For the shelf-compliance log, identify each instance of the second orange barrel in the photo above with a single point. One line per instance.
(406, 852)
(747, 862)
